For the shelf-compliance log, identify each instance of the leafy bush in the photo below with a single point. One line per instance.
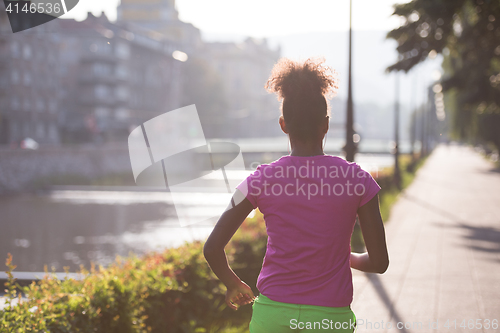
(389, 192)
(173, 291)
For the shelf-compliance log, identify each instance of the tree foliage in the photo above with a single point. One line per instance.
(467, 33)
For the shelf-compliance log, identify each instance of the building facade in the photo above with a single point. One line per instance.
(114, 78)
(29, 86)
(244, 69)
(234, 102)
(93, 81)
(160, 16)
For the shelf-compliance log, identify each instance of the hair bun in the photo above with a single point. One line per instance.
(312, 77)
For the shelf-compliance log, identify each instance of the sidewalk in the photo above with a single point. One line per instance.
(444, 247)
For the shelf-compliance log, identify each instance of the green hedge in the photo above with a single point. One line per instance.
(174, 291)
(389, 192)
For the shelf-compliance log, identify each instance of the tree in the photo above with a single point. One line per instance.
(467, 33)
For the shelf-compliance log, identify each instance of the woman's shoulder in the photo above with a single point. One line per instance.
(341, 162)
(317, 160)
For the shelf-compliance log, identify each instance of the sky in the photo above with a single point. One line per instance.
(265, 18)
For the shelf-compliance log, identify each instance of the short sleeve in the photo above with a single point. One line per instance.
(250, 186)
(370, 187)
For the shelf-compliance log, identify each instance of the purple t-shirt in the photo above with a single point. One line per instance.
(309, 205)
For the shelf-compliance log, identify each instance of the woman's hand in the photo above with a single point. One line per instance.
(239, 294)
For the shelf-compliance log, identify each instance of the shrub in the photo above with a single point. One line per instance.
(173, 291)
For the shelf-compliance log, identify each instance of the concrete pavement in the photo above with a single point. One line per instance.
(444, 246)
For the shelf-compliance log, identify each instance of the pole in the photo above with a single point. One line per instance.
(422, 125)
(397, 172)
(349, 147)
(415, 108)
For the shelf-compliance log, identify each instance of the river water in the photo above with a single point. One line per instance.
(76, 227)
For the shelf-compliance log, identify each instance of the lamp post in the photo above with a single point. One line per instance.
(423, 133)
(414, 105)
(350, 148)
(397, 172)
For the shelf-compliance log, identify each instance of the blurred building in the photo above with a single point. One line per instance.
(86, 81)
(114, 79)
(160, 16)
(95, 80)
(29, 85)
(244, 69)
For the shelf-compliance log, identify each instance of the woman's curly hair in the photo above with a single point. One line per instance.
(303, 88)
(288, 75)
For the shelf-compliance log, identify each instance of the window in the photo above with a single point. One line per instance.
(101, 69)
(152, 76)
(27, 79)
(121, 72)
(26, 129)
(26, 51)
(121, 92)
(14, 75)
(14, 129)
(122, 50)
(122, 114)
(40, 130)
(53, 132)
(100, 46)
(14, 49)
(101, 112)
(104, 47)
(40, 53)
(27, 104)
(14, 103)
(40, 105)
(101, 91)
(52, 106)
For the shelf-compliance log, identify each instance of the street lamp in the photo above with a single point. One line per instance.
(414, 106)
(397, 172)
(350, 148)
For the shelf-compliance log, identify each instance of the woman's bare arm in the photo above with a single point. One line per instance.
(238, 292)
(376, 259)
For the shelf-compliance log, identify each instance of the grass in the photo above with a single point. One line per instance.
(408, 171)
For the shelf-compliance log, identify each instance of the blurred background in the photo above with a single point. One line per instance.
(73, 89)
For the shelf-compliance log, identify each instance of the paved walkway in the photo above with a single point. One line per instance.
(444, 247)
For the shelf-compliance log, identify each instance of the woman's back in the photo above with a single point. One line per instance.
(309, 205)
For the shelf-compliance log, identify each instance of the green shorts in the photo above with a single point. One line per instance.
(275, 317)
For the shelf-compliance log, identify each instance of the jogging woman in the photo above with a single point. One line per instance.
(309, 201)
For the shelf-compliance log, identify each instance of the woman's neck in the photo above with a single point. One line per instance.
(309, 148)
